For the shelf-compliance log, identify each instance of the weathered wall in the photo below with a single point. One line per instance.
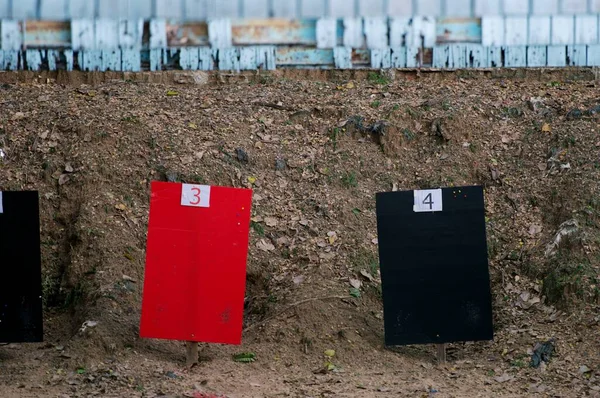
(133, 35)
(206, 9)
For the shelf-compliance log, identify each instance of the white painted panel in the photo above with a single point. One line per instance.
(82, 34)
(515, 56)
(219, 33)
(342, 57)
(536, 56)
(326, 33)
(106, 34)
(24, 9)
(247, 58)
(563, 29)
(545, 7)
(557, 56)
(381, 58)
(577, 55)
(158, 36)
(476, 56)
(400, 32)
(413, 58)
(353, 33)
(458, 8)
(284, 8)
(595, 8)
(398, 57)
(516, 7)
(341, 9)
(429, 7)
(168, 9)
(81, 9)
(586, 29)
(492, 31)
(256, 9)
(223, 9)
(54, 10)
(112, 8)
(4, 13)
(399, 8)
(371, 8)
(312, 8)
(574, 6)
(130, 33)
(423, 32)
(137, 9)
(539, 30)
(515, 31)
(376, 33)
(195, 10)
(593, 55)
(10, 35)
(487, 8)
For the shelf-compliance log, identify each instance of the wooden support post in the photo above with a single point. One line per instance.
(441, 353)
(191, 353)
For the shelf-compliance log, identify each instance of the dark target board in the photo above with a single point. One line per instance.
(20, 268)
(434, 266)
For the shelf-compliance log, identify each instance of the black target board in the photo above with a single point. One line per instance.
(434, 266)
(20, 268)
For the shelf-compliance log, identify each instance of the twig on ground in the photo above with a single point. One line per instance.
(289, 307)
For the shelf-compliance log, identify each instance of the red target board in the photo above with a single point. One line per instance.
(196, 253)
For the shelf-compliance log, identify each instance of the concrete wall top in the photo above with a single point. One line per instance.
(232, 9)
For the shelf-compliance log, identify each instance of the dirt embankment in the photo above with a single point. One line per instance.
(317, 152)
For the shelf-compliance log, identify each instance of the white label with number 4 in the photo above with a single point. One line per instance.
(428, 200)
(195, 195)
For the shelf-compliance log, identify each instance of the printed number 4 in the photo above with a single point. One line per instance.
(428, 201)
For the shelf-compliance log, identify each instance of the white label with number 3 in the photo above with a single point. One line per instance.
(428, 200)
(195, 195)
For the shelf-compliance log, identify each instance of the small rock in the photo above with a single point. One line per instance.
(194, 77)
(63, 179)
(280, 164)
(18, 116)
(574, 114)
(128, 278)
(355, 283)
(594, 110)
(241, 155)
(68, 168)
(171, 375)
(584, 369)
(172, 176)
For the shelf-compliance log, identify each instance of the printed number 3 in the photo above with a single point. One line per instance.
(196, 196)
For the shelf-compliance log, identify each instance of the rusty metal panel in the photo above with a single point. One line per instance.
(361, 57)
(187, 34)
(303, 56)
(458, 30)
(47, 34)
(274, 31)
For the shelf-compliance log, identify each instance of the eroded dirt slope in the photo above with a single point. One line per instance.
(317, 152)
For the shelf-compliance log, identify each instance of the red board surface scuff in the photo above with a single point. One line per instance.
(195, 277)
